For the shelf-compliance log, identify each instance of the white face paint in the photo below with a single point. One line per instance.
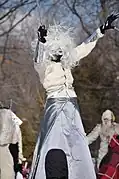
(107, 122)
(107, 118)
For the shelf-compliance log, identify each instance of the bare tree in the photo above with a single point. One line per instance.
(9, 12)
(72, 7)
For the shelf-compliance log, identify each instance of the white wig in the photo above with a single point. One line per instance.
(109, 115)
(59, 38)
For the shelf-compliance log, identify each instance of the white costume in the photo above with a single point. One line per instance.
(62, 126)
(10, 133)
(105, 130)
(7, 135)
(18, 122)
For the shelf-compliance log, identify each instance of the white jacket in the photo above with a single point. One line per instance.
(7, 128)
(57, 80)
(105, 136)
(18, 122)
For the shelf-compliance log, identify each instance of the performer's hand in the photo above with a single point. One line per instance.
(108, 24)
(42, 33)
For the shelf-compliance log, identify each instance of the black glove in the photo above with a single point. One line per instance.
(108, 23)
(42, 33)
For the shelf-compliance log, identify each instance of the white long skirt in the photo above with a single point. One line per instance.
(62, 129)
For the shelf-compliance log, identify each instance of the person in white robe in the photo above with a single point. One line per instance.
(56, 54)
(105, 131)
(8, 136)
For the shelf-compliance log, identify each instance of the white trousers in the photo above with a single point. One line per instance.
(6, 163)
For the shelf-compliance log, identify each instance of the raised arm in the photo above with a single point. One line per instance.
(86, 47)
(38, 48)
(93, 135)
(38, 44)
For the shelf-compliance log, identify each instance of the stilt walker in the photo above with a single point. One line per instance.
(61, 128)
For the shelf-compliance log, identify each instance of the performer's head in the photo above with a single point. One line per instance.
(58, 46)
(56, 57)
(108, 118)
(56, 166)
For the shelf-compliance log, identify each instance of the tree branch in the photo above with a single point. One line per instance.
(74, 11)
(12, 9)
(2, 4)
(2, 34)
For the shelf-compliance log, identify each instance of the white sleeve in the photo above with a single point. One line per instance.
(20, 145)
(18, 134)
(17, 120)
(93, 135)
(117, 128)
(86, 47)
(38, 59)
(38, 52)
